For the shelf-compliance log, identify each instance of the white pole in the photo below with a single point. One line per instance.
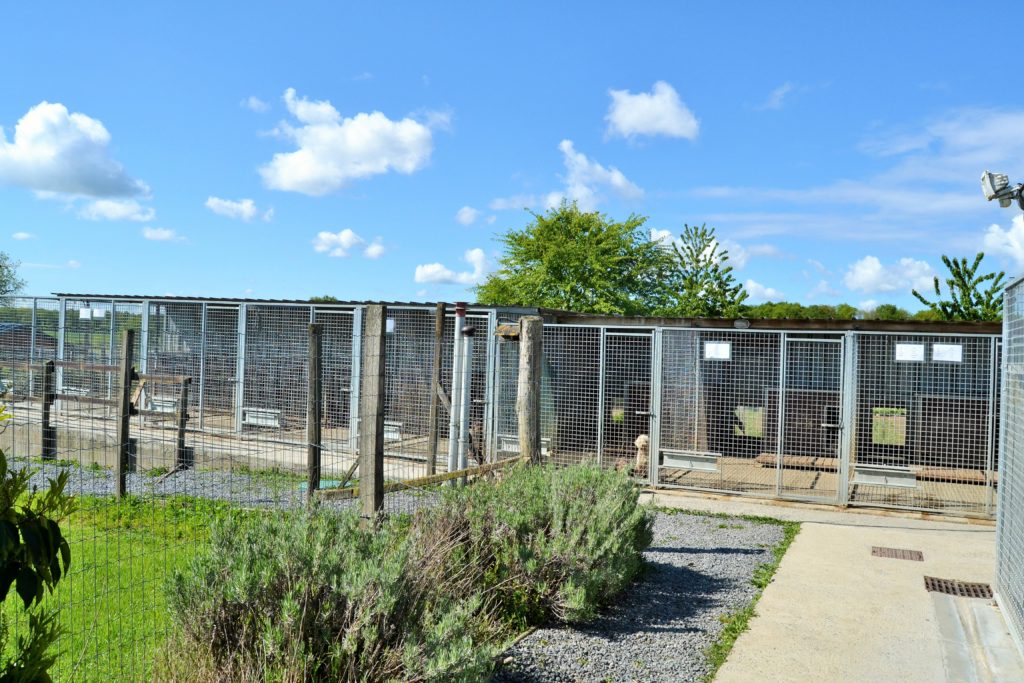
(454, 412)
(465, 394)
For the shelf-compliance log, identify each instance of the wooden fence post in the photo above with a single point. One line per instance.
(371, 414)
(49, 435)
(181, 455)
(314, 411)
(435, 387)
(531, 336)
(124, 412)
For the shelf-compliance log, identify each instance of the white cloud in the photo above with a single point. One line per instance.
(870, 276)
(1009, 242)
(739, 256)
(868, 306)
(336, 244)
(777, 96)
(659, 112)
(332, 150)
(55, 151)
(518, 201)
(822, 289)
(22, 236)
(666, 237)
(819, 266)
(243, 209)
(467, 215)
(116, 210)
(254, 103)
(585, 180)
(161, 235)
(436, 272)
(374, 250)
(759, 292)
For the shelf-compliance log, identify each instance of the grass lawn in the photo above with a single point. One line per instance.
(112, 605)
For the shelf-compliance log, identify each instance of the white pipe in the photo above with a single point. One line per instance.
(454, 413)
(465, 395)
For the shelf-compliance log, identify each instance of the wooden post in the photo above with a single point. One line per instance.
(435, 386)
(49, 435)
(181, 456)
(124, 408)
(371, 414)
(314, 410)
(531, 335)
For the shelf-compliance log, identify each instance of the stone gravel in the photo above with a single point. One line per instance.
(699, 568)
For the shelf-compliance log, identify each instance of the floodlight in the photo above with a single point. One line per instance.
(992, 184)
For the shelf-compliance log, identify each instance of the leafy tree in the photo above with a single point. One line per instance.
(967, 300)
(708, 288)
(10, 283)
(889, 312)
(845, 312)
(581, 261)
(786, 310)
(325, 299)
(34, 555)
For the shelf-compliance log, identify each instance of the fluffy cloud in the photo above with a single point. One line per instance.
(243, 209)
(1009, 242)
(374, 250)
(22, 236)
(56, 151)
(161, 235)
(822, 289)
(739, 255)
(868, 306)
(467, 215)
(659, 112)
(585, 180)
(332, 150)
(438, 273)
(870, 276)
(254, 103)
(759, 292)
(116, 210)
(336, 244)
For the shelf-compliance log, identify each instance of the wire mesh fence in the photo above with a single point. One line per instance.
(1010, 522)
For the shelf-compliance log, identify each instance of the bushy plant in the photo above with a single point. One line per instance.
(307, 596)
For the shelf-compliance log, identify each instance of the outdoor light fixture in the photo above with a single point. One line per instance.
(997, 186)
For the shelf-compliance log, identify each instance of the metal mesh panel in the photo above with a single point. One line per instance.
(924, 422)
(570, 392)
(1010, 524)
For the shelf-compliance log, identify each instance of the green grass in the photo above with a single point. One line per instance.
(112, 605)
(736, 622)
(751, 421)
(889, 426)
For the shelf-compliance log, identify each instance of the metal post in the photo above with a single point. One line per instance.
(240, 367)
(181, 454)
(61, 317)
(144, 339)
(355, 382)
(314, 410)
(371, 437)
(113, 346)
(124, 398)
(456, 397)
(601, 372)
(992, 408)
(202, 365)
(32, 349)
(849, 416)
(490, 388)
(780, 437)
(654, 433)
(465, 391)
(435, 385)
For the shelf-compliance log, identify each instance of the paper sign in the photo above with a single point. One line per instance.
(717, 350)
(910, 352)
(948, 353)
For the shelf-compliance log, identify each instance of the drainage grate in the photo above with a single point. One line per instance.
(897, 553)
(963, 589)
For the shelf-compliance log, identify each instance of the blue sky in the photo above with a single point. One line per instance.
(376, 151)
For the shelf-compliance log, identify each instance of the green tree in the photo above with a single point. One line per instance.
(787, 310)
(889, 312)
(10, 283)
(581, 261)
(708, 288)
(325, 299)
(967, 298)
(34, 555)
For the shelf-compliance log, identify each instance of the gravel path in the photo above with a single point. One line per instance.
(242, 488)
(699, 569)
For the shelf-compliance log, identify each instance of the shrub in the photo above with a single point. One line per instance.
(305, 596)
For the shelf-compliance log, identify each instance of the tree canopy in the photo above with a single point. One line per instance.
(707, 287)
(10, 283)
(968, 298)
(582, 261)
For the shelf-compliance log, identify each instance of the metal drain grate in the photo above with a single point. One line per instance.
(897, 553)
(963, 589)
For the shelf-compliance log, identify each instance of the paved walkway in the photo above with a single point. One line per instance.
(834, 612)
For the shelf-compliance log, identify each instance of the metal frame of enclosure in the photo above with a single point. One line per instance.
(900, 415)
(1010, 520)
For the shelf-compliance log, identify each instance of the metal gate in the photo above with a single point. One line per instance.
(625, 421)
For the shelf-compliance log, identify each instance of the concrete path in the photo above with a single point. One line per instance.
(834, 612)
